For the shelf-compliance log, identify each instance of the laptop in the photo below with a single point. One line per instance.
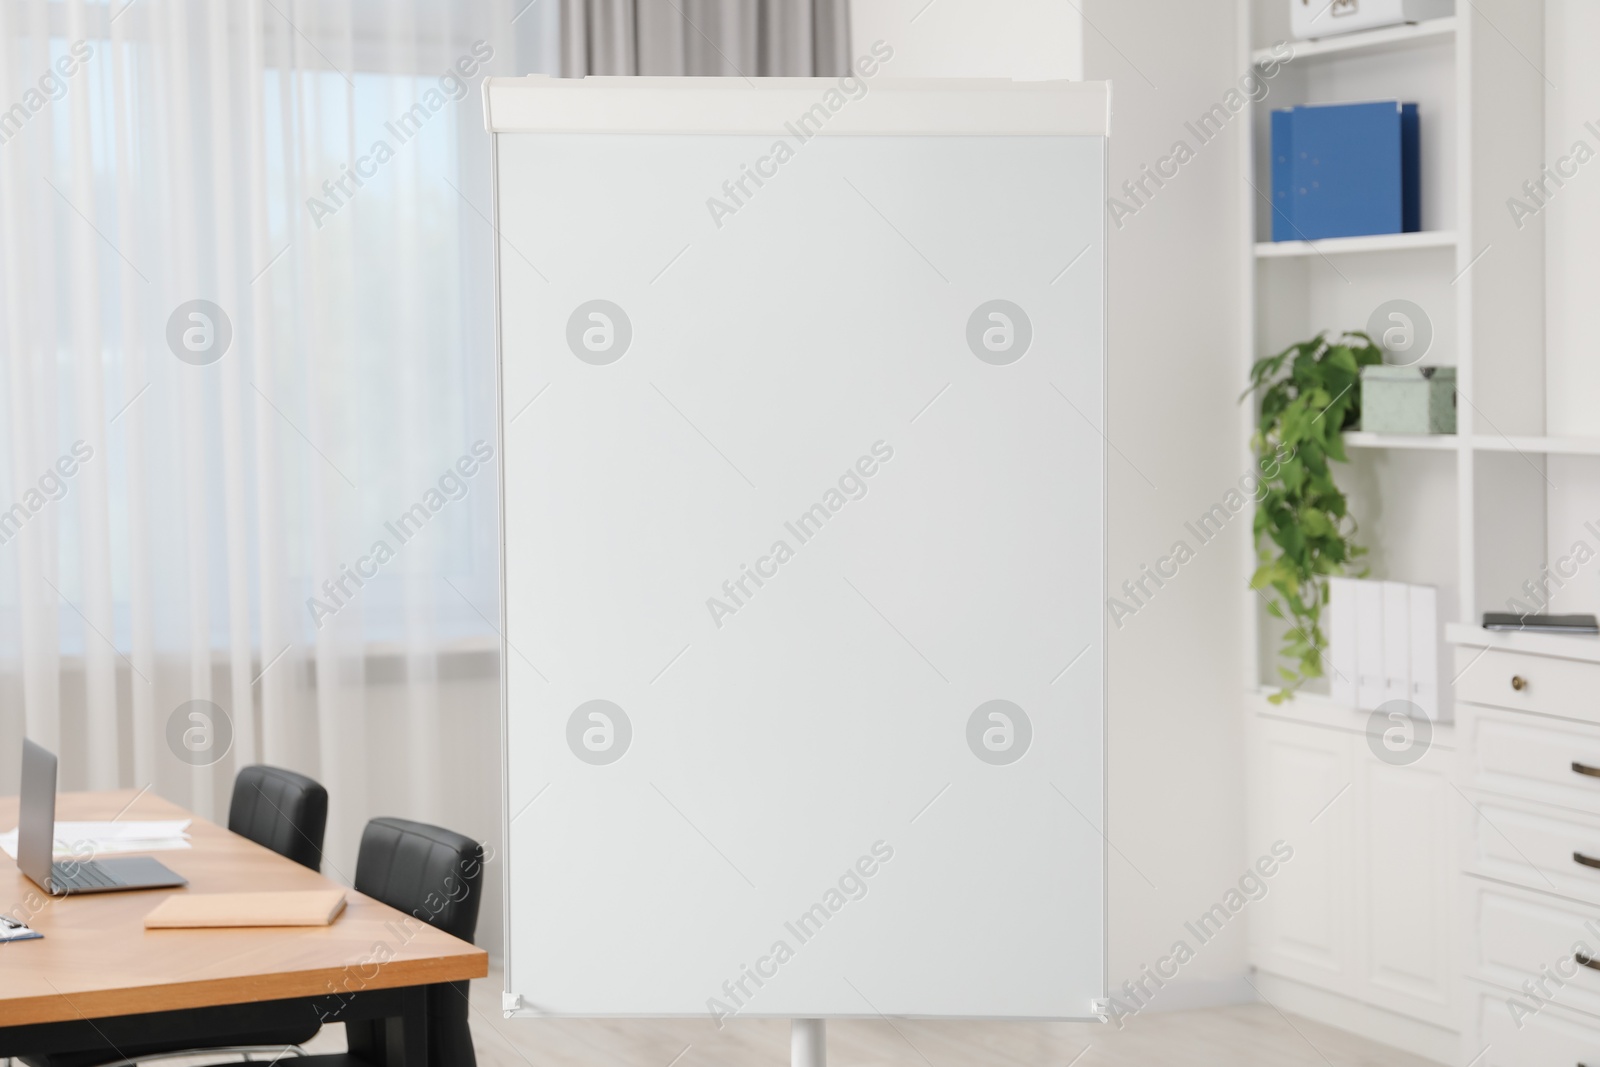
(36, 825)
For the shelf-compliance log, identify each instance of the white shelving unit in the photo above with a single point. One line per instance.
(1480, 99)
(1370, 937)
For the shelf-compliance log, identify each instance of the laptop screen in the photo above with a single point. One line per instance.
(37, 818)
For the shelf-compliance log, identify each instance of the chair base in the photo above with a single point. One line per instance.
(334, 1059)
(263, 1054)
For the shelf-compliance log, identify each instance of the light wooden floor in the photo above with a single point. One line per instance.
(1243, 1036)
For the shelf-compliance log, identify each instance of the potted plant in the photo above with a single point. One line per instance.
(1310, 393)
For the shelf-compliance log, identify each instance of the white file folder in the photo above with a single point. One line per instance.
(1396, 641)
(1369, 645)
(1341, 634)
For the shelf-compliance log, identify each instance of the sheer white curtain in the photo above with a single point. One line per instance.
(246, 349)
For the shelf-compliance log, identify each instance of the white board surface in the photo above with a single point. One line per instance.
(803, 553)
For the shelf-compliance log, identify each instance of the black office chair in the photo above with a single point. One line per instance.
(282, 810)
(437, 876)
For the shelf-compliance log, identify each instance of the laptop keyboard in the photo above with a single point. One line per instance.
(84, 874)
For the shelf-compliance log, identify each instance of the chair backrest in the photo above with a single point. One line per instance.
(426, 871)
(282, 810)
(436, 875)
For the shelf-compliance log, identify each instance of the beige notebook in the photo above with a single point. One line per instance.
(306, 907)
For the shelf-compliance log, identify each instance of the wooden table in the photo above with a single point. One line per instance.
(99, 972)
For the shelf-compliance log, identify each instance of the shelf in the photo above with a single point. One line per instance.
(1365, 43)
(1568, 646)
(1438, 442)
(1380, 242)
(1483, 442)
(1321, 710)
(1550, 446)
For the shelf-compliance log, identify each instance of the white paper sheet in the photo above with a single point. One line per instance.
(108, 838)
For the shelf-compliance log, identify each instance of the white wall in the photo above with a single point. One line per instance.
(1176, 776)
(1177, 739)
(1571, 220)
(1571, 224)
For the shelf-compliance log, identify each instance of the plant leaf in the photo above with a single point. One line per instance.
(1309, 394)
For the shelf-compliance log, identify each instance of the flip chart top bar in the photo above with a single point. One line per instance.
(850, 106)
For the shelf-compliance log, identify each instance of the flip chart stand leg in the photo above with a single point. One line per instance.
(808, 1043)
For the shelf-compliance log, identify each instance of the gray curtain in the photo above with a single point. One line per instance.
(731, 38)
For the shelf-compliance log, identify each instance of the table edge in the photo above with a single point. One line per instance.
(241, 989)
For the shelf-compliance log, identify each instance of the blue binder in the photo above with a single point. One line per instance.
(1283, 228)
(1345, 170)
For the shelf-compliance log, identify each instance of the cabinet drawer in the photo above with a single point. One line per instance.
(1552, 1038)
(1529, 683)
(1529, 757)
(1520, 935)
(1536, 847)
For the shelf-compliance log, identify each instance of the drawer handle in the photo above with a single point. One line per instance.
(1586, 861)
(1518, 682)
(1584, 768)
(1586, 961)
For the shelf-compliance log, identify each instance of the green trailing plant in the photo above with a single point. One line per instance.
(1310, 393)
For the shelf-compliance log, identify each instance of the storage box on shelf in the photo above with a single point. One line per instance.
(1417, 400)
(1325, 18)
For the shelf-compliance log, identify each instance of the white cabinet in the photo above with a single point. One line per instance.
(1529, 854)
(1552, 1038)
(1360, 920)
(1527, 844)
(1405, 874)
(1512, 754)
(1519, 937)
(1303, 925)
